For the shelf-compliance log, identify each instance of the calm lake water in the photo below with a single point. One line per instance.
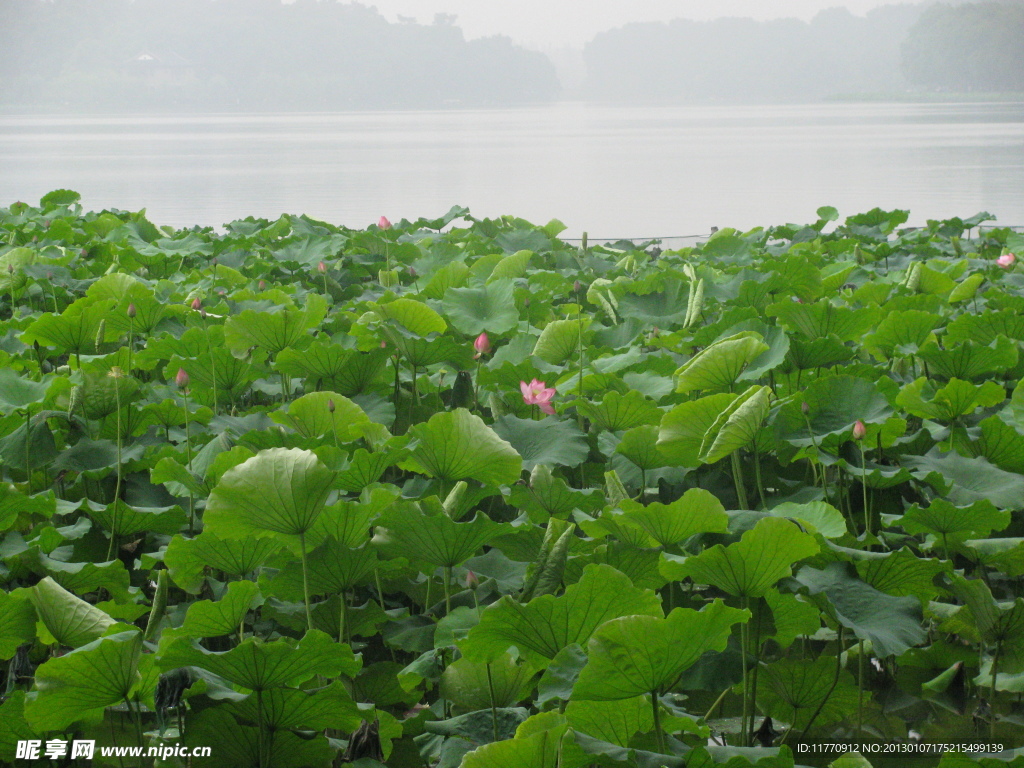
(614, 172)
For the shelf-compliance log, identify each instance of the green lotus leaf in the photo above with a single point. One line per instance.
(549, 747)
(490, 308)
(468, 684)
(696, 511)
(207, 618)
(737, 426)
(17, 622)
(71, 620)
(968, 360)
(967, 480)
(901, 573)
(13, 726)
(560, 340)
(892, 624)
(458, 445)
(415, 316)
(103, 393)
(124, 520)
(823, 318)
(824, 352)
(1005, 555)
(332, 366)
(719, 365)
(404, 531)
(311, 416)
(967, 289)
(682, 430)
(260, 666)
(547, 624)
(996, 623)
(751, 566)
(796, 689)
(956, 398)
(13, 273)
(793, 616)
(834, 404)
(451, 275)
(550, 441)
(902, 332)
(74, 330)
(81, 577)
(1001, 444)
(187, 559)
(17, 392)
(640, 446)
(279, 490)
(956, 523)
(71, 687)
(822, 517)
(349, 522)
(275, 330)
(616, 722)
(617, 411)
(984, 328)
(238, 746)
(333, 569)
(287, 708)
(633, 655)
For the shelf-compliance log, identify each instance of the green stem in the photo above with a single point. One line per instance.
(117, 486)
(737, 478)
(835, 682)
(860, 686)
(305, 580)
(447, 590)
(494, 710)
(28, 452)
(343, 618)
(992, 693)
(188, 457)
(758, 480)
(718, 701)
(213, 365)
(745, 711)
(260, 756)
(864, 488)
(137, 719)
(656, 713)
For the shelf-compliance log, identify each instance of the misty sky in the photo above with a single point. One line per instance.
(562, 23)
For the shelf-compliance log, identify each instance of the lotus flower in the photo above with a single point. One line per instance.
(482, 345)
(1006, 260)
(384, 223)
(859, 430)
(196, 303)
(131, 310)
(321, 268)
(181, 379)
(538, 393)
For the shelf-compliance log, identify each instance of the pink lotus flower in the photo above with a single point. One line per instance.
(538, 393)
(196, 303)
(384, 223)
(181, 379)
(321, 268)
(859, 430)
(482, 345)
(1006, 260)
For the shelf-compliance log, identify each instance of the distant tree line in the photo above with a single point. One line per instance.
(251, 55)
(891, 50)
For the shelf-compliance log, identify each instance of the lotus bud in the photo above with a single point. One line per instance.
(131, 311)
(202, 312)
(262, 285)
(1006, 260)
(859, 430)
(805, 408)
(330, 406)
(181, 379)
(321, 268)
(383, 223)
(482, 344)
(196, 303)
(10, 269)
(472, 580)
(214, 261)
(412, 272)
(577, 287)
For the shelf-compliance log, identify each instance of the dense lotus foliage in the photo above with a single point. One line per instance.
(455, 492)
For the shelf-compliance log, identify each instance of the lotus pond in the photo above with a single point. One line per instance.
(455, 492)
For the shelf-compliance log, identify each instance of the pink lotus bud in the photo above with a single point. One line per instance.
(214, 261)
(330, 406)
(576, 287)
(482, 344)
(196, 303)
(181, 379)
(472, 580)
(321, 268)
(805, 408)
(10, 269)
(859, 430)
(383, 223)
(1006, 260)
(131, 310)
(412, 273)
(262, 285)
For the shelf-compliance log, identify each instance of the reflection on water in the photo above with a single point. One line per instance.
(613, 172)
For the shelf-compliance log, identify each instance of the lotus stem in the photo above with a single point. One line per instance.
(28, 451)
(188, 458)
(447, 590)
(305, 580)
(494, 710)
(656, 713)
(117, 486)
(835, 682)
(737, 478)
(757, 478)
(745, 710)
(992, 688)
(860, 686)
(864, 488)
(342, 617)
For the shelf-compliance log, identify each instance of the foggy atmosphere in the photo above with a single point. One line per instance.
(523, 384)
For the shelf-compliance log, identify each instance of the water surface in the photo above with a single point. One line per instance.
(661, 171)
